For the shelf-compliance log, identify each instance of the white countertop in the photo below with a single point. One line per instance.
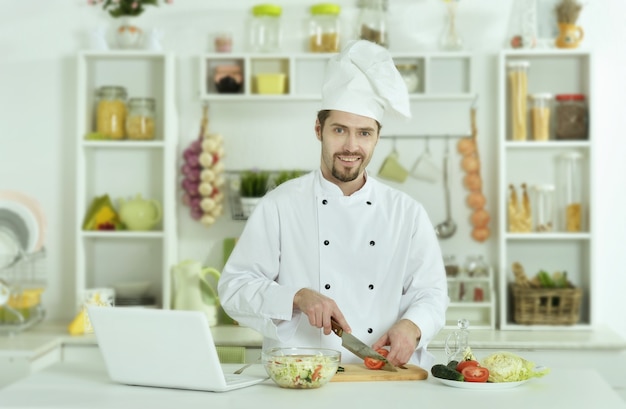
(47, 336)
(74, 385)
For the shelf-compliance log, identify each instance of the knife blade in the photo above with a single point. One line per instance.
(358, 347)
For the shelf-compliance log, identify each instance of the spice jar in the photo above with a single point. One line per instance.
(324, 28)
(540, 109)
(544, 208)
(372, 22)
(111, 112)
(451, 266)
(475, 266)
(571, 117)
(265, 28)
(140, 119)
(410, 76)
(570, 191)
(518, 94)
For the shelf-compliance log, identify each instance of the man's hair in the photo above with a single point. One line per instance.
(324, 113)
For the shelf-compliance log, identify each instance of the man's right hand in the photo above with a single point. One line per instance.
(319, 309)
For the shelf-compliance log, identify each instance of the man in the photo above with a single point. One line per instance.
(338, 243)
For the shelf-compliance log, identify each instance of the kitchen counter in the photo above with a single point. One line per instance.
(80, 385)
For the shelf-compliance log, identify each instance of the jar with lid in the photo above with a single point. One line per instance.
(324, 31)
(265, 29)
(111, 112)
(476, 266)
(140, 119)
(570, 191)
(518, 95)
(571, 116)
(544, 208)
(372, 22)
(451, 265)
(410, 76)
(540, 110)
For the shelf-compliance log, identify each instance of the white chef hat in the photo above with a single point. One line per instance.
(364, 80)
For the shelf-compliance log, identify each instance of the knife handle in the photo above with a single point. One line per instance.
(336, 327)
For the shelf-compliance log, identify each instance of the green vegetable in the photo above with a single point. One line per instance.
(545, 280)
(508, 367)
(444, 372)
(452, 364)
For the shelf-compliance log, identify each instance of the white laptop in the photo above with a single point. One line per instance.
(162, 348)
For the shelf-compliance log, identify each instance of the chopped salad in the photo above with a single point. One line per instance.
(301, 371)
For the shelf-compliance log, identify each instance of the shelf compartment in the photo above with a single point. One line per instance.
(448, 75)
(259, 65)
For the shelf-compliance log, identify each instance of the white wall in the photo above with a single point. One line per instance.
(38, 42)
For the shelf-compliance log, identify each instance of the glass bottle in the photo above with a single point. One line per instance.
(140, 119)
(265, 29)
(457, 341)
(111, 112)
(518, 95)
(372, 22)
(450, 39)
(570, 191)
(544, 208)
(324, 34)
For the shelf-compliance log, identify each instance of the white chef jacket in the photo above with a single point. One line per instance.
(375, 253)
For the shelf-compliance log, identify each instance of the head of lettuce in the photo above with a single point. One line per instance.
(508, 367)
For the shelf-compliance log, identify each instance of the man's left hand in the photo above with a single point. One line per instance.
(402, 337)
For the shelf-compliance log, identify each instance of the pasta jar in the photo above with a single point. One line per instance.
(570, 191)
(140, 119)
(518, 94)
(540, 110)
(111, 112)
(544, 208)
(265, 28)
(571, 117)
(324, 28)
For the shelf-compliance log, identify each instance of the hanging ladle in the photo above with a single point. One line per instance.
(446, 228)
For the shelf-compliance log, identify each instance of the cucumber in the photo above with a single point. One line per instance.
(452, 364)
(444, 372)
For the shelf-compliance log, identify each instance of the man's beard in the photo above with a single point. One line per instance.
(348, 175)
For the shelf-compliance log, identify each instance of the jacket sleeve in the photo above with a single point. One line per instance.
(247, 288)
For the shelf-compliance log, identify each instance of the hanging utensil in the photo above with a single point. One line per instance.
(447, 228)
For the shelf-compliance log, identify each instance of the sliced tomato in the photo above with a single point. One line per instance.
(475, 374)
(373, 363)
(464, 364)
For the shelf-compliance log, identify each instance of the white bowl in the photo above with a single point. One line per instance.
(301, 368)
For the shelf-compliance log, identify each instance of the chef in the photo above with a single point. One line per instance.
(338, 243)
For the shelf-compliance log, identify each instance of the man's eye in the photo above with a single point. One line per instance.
(338, 130)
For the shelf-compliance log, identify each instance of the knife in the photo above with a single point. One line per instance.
(358, 348)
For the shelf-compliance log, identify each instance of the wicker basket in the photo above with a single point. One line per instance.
(546, 306)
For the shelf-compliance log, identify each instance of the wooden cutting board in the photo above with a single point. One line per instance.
(359, 373)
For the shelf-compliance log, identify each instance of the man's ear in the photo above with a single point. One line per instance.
(318, 129)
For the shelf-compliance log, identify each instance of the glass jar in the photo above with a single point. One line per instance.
(410, 76)
(571, 117)
(111, 112)
(540, 110)
(450, 39)
(265, 28)
(544, 208)
(475, 266)
(451, 266)
(140, 119)
(518, 95)
(570, 191)
(324, 34)
(372, 22)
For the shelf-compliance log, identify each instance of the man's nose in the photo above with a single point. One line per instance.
(350, 143)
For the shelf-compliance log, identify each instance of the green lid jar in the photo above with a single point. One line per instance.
(265, 29)
(324, 35)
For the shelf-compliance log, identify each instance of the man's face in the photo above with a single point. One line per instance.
(348, 143)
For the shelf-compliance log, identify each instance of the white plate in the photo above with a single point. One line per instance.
(483, 386)
(19, 219)
(36, 211)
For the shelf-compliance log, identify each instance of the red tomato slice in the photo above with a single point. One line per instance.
(372, 363)
(464, 364)
(475, 374)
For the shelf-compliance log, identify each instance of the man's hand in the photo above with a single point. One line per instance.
(319, 309)
(402, 337)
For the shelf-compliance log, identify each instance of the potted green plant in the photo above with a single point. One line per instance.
(253, 186)
(286, 175)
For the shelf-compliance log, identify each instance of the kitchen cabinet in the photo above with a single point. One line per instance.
(536, 162)
(472, 298)
(440, 76)
(122, 169)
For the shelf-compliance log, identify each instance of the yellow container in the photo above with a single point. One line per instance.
(271, 83)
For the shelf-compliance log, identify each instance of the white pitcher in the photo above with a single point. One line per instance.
(193, 289)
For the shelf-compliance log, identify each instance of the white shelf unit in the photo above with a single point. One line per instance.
(534, 162)
(443, 76)
(123, 169)
(481, 314)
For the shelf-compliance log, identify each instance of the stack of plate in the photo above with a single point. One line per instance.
(22, 226)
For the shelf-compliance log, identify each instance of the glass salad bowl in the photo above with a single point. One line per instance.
(301, 368)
